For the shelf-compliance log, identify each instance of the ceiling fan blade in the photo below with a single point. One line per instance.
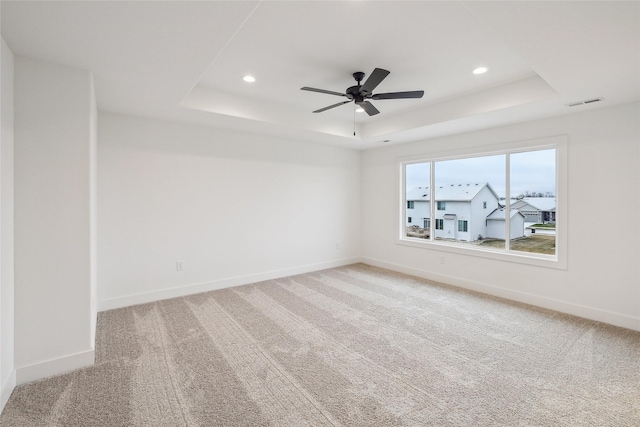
(399, 95)
(329, 92)
(377, 76)
(332, 106)
(369, 108)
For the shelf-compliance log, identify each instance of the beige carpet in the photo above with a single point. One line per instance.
(353, 346)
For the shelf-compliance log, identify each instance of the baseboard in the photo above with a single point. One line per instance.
(56, 366)
(592, 313)
(7, 389)
(194, 288)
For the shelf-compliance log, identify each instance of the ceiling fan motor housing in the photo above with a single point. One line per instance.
(355, 93)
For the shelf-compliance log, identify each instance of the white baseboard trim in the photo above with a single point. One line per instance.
(591, 313)
(7, 389)
(56, 366)
(194, 288)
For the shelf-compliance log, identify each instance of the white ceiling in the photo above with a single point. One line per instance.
(184, 61)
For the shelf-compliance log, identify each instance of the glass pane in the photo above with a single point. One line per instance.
(469, 195)
(533, 202)
(417, 178)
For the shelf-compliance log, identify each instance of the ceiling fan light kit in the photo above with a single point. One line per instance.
(361, 93)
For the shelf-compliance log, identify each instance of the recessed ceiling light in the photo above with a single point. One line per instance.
(249, 79)
(480, 70)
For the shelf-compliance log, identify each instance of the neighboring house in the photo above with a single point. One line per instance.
(496, 226)
(461, 210)
(541, 210)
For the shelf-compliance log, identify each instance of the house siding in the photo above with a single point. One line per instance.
(472, 211)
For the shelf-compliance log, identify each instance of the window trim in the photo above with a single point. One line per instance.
(557, 261)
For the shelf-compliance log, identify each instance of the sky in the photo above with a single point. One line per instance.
(530, 171)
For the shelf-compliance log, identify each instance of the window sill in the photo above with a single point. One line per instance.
(539, 260)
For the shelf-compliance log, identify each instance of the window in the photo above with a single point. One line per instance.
(533, 179)
(511, 199)
(465, 183)
(417, 201)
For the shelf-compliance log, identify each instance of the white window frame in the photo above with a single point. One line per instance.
(556, 261)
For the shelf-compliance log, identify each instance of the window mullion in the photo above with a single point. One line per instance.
(507, 207)
(432, 198)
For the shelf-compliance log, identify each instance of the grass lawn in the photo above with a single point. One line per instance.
(553, 226)
(538, 243)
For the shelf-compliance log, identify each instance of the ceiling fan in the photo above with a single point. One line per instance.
(361, 93)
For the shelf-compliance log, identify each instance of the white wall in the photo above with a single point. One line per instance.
(7, 366)
(52, 124)
(602, 280)
(235, 207)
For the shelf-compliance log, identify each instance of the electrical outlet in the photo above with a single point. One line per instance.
(441, 260)
(179, 265)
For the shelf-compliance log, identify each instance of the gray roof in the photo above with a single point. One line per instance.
(535, 203)
(450, 192)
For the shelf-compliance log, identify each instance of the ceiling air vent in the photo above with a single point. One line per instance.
(585, 102)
